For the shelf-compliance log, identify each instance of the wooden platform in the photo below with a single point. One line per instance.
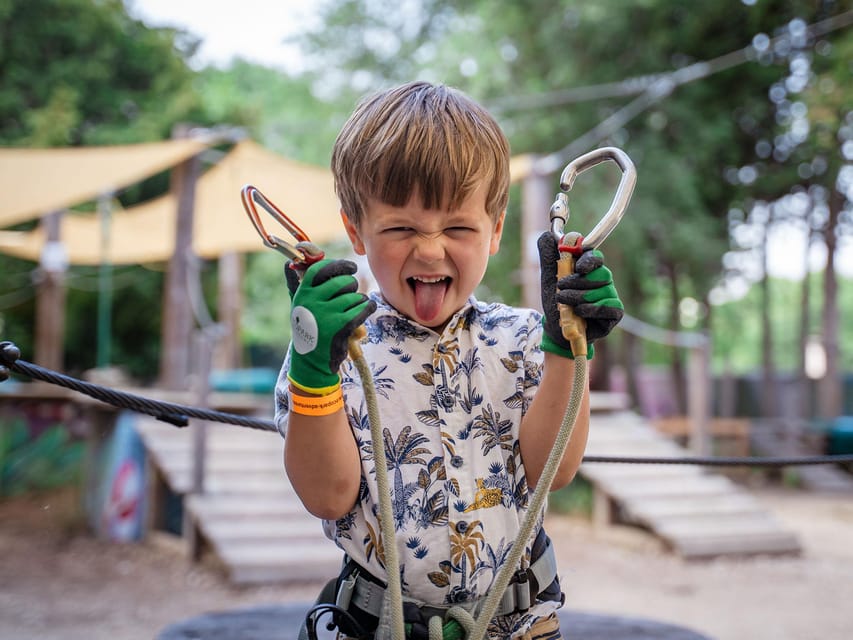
(248, 515)
(698, 513)
(253, 521)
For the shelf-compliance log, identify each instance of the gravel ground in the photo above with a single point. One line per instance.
(57, 582)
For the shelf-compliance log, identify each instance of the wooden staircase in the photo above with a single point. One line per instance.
(698, 513)
(248, 513)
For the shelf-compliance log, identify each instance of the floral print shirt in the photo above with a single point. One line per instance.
(450, 408)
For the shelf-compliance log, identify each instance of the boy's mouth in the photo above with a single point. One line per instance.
(429, 294)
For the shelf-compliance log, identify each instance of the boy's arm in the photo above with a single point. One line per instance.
(543, 419)
(322, 462)
(591, 294)
(320, 454)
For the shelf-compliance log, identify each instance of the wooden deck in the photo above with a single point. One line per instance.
(252, 520)
(698, 513)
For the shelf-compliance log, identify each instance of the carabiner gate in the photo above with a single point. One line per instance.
(559, 213)
(303, 253)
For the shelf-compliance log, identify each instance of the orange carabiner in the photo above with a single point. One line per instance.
(303, 253)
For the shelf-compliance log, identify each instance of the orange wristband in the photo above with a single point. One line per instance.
(319, 405)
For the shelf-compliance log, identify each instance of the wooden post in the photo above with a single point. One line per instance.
(228, 354)
(698, 396)
(536, 200)
(50, 296)
(177, 312)
(204, 341)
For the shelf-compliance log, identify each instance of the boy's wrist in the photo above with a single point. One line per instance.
(316, 405)
(550, 346)
(333, 383)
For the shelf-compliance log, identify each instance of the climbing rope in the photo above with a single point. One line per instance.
(537, 502)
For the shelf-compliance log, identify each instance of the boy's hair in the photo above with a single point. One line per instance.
(424, 137)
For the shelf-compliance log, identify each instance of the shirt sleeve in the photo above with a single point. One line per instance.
(282, 398)
(533, 357)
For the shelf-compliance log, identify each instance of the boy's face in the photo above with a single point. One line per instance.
(427, 261)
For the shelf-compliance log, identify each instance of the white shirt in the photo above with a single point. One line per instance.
(450, 407)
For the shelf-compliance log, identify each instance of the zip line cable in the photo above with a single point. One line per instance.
(656, 87)
(641, 84)
(178, 415)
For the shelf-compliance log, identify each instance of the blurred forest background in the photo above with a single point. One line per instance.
(738, 115)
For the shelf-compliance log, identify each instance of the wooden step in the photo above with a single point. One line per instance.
(662, 507)
(285, 561)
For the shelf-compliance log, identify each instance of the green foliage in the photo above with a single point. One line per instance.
(84, 72)
(278, 110)
(736, 326)
(574, 499)
(35, 464)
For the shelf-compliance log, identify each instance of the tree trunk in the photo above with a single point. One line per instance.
(679, 383)
(803, 404)
(769, 407)
(830, 397)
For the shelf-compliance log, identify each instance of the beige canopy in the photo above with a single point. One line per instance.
(145, 233)
(37, 181)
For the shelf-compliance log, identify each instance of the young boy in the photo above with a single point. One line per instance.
(470, 395)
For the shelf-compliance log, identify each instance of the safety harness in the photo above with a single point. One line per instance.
(354, 599)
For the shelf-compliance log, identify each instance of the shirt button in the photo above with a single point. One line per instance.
(456, 461)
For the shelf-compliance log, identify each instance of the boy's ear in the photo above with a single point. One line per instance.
(497, 232)
(352, 232)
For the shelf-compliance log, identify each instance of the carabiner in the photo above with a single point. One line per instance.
(559, 214)
(302, 254)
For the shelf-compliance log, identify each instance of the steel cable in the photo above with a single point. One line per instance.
(178, 415)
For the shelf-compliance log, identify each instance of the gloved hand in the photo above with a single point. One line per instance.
(326, 309)
(589, 291)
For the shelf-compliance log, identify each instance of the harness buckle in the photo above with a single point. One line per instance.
(346, 591)
(521, 586)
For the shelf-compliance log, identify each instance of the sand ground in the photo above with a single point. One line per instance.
(58, 582)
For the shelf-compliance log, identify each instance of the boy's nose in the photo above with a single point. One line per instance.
(429, 247)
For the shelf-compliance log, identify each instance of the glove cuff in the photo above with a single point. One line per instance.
(550, 346)
(317, 391)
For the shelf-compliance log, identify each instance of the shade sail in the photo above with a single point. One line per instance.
(145, 233)
(35, 182)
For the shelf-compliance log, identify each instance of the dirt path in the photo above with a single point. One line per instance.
(58, 583)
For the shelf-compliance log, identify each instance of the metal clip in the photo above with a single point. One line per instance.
(559, 213)
(303, 253)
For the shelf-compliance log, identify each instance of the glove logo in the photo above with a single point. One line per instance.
(305, 330)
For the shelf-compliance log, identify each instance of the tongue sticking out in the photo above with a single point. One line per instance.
(429, 297)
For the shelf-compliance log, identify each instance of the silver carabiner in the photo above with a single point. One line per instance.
(559, 213)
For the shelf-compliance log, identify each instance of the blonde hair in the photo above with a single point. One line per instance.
(424, 137)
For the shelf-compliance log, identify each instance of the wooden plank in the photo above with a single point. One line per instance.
(636, 472)
(704, 547)
(709, 525)
(263, 528)
(285, 562)
(236, 505)
(697, 486)
(690, 506)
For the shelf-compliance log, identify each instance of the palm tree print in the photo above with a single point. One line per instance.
(444, 359)
(465, 544)
(405, 449)
(494, 431)
(467, 367)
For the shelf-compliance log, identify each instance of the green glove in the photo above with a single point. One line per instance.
(327, 308)
(589, 291)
